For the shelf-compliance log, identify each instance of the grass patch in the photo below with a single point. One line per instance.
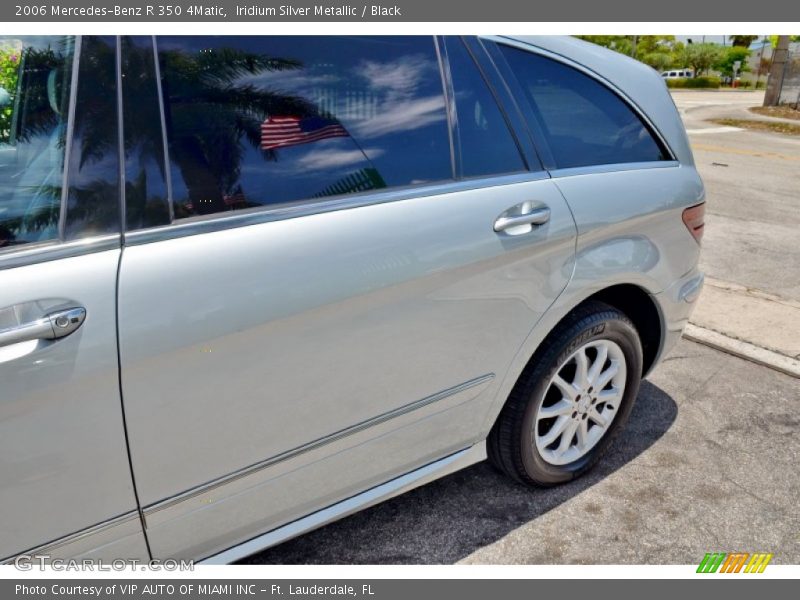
(775, 127)
(694, 82)
(784, 112)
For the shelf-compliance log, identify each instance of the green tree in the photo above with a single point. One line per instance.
(742, 41)
(648, 44)
(660, 61)
(9, 72)
(700, 57)
(724, 63)
(645, 44)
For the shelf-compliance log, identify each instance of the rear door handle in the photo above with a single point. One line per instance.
(56, 325)
(529, 216)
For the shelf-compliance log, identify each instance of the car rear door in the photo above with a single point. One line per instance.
(624, 185)
(351, 254)
(65, 481)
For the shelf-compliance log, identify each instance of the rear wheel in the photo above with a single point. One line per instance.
(572, 400)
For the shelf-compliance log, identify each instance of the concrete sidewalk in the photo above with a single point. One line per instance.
(748, 323)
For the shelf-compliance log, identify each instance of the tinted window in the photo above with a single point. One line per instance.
(485, 142)
(35, 81)
(583, 122)
(93, 196)
(146, 203)
(256, 121)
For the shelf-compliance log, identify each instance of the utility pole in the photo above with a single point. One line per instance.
(780, 57)
(633, 47)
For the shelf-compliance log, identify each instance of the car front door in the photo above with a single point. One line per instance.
(350, 265)
(65, 481)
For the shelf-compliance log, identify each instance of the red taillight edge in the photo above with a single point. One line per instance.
(694, 218)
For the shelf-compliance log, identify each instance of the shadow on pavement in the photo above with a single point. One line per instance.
(446, 520)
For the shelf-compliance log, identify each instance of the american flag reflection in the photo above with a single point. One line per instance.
(282, 132)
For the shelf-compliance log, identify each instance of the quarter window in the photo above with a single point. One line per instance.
(256, 121)
(583, 122)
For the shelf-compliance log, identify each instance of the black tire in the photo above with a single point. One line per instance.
(511, 446)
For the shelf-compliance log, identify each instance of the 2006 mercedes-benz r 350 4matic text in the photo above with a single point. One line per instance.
(249, 285)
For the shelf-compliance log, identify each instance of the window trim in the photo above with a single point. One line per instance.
(22, 256)
(122, 205)
(541, 140)
(165, 142)
(613, 168)
(267, 214)
(449, 105)
(68, 137)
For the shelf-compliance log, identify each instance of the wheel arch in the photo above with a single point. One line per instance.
(632, 299)
(640, 307)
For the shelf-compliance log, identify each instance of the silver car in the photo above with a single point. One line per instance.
(249, 285)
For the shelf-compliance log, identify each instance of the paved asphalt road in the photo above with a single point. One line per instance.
(709, 459)
(708, 462)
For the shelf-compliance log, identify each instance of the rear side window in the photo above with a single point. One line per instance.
(485, 142)
(35, 82)
(257, 121)
(582, 121)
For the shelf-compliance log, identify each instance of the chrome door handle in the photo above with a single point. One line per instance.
(538, 216)
(56, 325)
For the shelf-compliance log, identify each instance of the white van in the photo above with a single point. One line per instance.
(678, 74)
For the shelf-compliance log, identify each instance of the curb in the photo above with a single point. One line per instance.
(762, 356)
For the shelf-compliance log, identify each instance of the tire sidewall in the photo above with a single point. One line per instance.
(600, 327)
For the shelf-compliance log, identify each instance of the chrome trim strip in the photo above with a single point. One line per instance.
(68, 136)
(21, 256)
(395, 487)
(614, 168)
(324, 441)
(74, 537)
(163, 115)
(450, 105)
(589, 72)
(266, 214)
(122, 158)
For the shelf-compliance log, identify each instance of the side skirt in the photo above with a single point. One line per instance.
(390, 489)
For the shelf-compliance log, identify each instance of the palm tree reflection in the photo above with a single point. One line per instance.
(213, 117)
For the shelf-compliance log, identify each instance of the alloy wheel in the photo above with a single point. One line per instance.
(580, 402)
